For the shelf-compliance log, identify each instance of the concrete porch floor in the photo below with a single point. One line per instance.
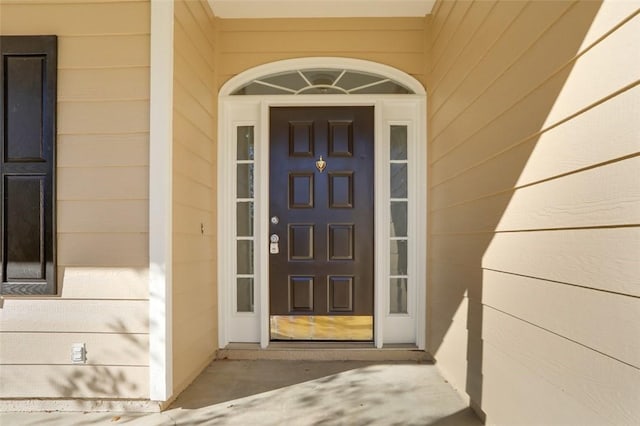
(271, 392)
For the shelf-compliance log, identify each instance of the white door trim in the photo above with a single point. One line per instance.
(389, 110)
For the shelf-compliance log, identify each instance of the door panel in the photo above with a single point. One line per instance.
(324, 262)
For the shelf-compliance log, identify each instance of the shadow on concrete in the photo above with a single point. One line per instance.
(320, 393)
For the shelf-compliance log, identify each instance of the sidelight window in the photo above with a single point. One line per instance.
(245, 166)
(399, 186)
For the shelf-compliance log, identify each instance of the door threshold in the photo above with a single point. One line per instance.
(323, 351)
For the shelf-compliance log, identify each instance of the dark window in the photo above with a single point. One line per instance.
(27, 164)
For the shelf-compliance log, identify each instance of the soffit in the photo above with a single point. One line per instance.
(320, 8)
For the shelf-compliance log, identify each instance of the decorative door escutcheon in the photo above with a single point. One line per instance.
(321, 164)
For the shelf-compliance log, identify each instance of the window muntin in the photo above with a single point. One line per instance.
(398, 235)
(245, 180)
(318, 81)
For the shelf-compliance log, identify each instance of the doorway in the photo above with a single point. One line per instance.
(393, 106)
(321, 274)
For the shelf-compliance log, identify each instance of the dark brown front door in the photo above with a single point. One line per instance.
(321, 266)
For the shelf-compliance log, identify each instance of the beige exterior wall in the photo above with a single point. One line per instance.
(534, 207)
(195, 311)
(102, 213)
(246, 43)
(533, 196)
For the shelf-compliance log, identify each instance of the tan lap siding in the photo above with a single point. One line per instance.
(245, 43)
(535, 207)
(102, 213)
(194, 120)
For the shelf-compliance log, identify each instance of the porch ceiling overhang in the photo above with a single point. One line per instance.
(320, 8)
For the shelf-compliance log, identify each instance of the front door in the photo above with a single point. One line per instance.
(321, 223)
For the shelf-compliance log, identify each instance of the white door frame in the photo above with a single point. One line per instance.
(409, 110)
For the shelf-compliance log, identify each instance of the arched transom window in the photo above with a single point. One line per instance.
(318, 81)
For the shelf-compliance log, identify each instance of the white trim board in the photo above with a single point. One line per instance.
(320, 8)
(160, 200)
(236, 111)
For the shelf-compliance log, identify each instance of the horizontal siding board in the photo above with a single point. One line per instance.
(187, 106)
(103, 84)
(103, 117)
(105, 183)
(455, 281)
(608, 67)
(80, 216)
(597, 320)
(190, 53)
(199, 41)
(190, 248)
(544, 58)
(188, 305)
(94, 282)
(490, 32)
(103, 249)
(201, 342)
(190, 193)
(512, 392)
(192, 137)
(601, 71)
(310, 41)
(312, 24)
(193, 275)
(79, 18)
(232, 63)
(533, 126)
(113, 349)
(196, 352)
(84, 381)
(194, 106)
(575, 144)
(194, 278)
(188, 220)
(610, 14)
(600, 383)
(478, 13)
(74, 316)
(186, 336)
(459, 249)
(198, 89)
(108, 51)
(498, 61)
(451, 352)
(203, 15)
(518, 124)
(605, 259)
(439, 16)
(103, 150)
(603, 196)
(195, 167)
(455, 26)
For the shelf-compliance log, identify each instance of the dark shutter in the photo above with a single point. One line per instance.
(27, 164)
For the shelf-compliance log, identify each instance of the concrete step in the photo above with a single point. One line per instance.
(322, 351)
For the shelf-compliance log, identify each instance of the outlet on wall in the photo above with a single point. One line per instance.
(78, 353)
